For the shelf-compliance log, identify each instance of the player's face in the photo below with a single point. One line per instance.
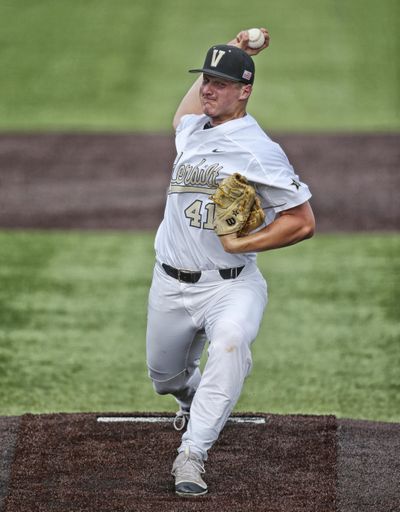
(223, 100)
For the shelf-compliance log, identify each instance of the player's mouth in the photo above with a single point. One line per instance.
(208, 100)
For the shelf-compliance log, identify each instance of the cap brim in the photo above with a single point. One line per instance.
(212, 72)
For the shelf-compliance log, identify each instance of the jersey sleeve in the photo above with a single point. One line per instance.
(276, 182)
(186, 121)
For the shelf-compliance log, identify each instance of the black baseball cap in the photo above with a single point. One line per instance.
(229, 62)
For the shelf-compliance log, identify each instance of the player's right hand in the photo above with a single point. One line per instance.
(242, 39)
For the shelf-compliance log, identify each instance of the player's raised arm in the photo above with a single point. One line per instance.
(190, 103)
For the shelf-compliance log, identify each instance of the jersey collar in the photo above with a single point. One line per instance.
(229, 126)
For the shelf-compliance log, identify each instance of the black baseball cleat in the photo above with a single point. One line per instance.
(187, 470)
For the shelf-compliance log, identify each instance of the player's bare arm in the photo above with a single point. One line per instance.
(191, 103)
(292, 226)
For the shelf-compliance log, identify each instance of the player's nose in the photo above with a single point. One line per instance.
(207, 89)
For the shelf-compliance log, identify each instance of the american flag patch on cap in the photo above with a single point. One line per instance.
(247, 75)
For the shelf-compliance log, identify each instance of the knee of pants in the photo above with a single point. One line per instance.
(231, 340)
(166, 386)
(231, 337)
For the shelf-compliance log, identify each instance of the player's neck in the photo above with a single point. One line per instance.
(215, 121)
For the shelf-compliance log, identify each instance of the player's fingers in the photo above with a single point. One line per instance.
(243, 35)
(266, 36)
(242, 39)
(238, 41)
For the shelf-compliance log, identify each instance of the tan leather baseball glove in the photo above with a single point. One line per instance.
(237, 207)
(254, 220)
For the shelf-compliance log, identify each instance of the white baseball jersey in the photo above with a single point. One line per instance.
(226, 312)
(185, 238)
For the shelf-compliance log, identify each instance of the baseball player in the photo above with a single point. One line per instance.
(206, 285)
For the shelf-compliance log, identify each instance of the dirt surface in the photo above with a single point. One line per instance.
(71, 462)
(9, 427)
(65, 462)
(119, 181)
(369, 466)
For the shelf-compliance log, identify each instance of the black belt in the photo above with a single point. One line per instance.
(189, 276)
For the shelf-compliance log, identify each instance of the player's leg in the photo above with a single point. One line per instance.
(233, 323)
(173, 342)
(193, 379)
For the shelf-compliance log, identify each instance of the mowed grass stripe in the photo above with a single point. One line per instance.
(97, 65)
(73, 321)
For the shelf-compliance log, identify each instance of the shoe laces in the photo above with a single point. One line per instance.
(180, 420)
(191, 465)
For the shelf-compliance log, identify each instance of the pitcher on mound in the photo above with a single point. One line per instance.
(233, 193)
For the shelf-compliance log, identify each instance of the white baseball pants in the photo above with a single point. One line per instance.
(181, 318)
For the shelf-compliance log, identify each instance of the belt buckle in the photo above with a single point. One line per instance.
(182, 273)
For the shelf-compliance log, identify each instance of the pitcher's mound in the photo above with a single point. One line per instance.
(72, 462)
(262, 462)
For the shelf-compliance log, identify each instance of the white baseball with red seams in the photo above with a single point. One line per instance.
(256, 38)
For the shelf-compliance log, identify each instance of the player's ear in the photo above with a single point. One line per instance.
(245, 91)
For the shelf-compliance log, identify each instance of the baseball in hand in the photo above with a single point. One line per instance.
(256, 38)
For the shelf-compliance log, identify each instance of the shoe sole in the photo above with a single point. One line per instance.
(191, 494)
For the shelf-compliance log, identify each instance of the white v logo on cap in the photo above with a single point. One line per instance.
(217, 56)
(228, 62)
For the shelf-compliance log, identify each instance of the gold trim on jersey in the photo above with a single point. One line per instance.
(178, 189)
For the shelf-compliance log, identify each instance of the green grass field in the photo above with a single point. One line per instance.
(73, 318)
(73, 305)
(101, 65)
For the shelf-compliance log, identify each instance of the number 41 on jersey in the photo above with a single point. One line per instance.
(200, 215)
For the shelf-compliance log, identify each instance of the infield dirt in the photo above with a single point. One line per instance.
(70, 462)
(119, 181)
